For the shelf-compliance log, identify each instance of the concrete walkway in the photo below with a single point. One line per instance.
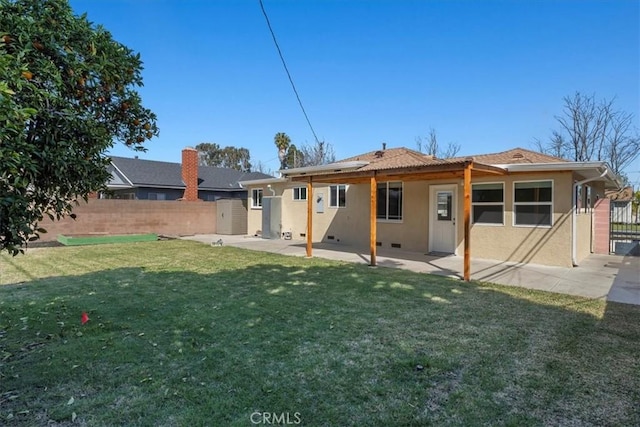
(611, 277)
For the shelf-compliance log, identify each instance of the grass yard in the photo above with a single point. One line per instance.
(185, 334)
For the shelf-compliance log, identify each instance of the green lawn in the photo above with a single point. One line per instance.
(185, 334)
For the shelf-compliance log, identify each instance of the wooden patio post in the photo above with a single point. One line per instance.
(467, 220)
(309, 217)
(372, 219)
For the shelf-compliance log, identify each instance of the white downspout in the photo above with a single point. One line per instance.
(574, 216)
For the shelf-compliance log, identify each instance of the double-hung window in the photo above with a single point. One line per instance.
(533, 203)
(338, 196)
(256, 198)
(487, 203)
(300, 193)
(389, 200)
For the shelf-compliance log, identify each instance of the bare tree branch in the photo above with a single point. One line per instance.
(431, 147)
(593, 131)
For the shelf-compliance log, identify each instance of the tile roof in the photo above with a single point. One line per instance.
(166, 174)
(515, 155)
(395, 158)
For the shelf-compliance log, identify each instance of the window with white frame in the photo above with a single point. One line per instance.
(300, 193)
(256, 198)
(533, 203)
(487, 203)
(338, 196)
(389, 201)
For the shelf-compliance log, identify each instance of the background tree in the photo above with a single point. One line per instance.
(431, 146)
(67, 93)
(320, 153)
(592, 130)
(294, 157)
(211, 154)
(262, 168)
(282, 142)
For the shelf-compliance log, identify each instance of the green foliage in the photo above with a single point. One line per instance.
(66, 95)
(211, 154)
(294, 157)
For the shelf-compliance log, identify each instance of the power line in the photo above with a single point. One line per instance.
(264, 12)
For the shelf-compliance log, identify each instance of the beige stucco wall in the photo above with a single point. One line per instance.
(350, 225)
(584, 235)
(540, 245)
(294, 212)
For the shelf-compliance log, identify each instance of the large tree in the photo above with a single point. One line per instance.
(67, 94)
(592, 130)
(211, 154)
(282, 143)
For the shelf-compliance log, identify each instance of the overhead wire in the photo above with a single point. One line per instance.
(293, 86)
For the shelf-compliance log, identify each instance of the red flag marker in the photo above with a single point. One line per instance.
(85, 318)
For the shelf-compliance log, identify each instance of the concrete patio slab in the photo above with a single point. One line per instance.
(611, 277)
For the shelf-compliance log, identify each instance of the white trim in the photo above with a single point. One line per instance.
(338, 196)
(489, 224)
(121, 173)
(513, 204)
(299, 188)
(253, 199)
(333, 167)
(262, 181)
(600, 170)
(454, 210)
(387, 219)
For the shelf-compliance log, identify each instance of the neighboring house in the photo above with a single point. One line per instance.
(153, 180)
(522, 206)
(622, 206)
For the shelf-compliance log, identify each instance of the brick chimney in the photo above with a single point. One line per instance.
(190, 173)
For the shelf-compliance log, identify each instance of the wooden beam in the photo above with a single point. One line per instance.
(467, 220)
(372, 219)
(414, 173)
(309, 218)
(480, 168)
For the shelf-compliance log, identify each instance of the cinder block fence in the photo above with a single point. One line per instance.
(109, 216)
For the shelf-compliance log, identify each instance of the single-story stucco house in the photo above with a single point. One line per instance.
(517, 205)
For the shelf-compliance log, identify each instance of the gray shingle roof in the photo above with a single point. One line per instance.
(152, 173)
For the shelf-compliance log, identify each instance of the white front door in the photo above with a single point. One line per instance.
(442, 219)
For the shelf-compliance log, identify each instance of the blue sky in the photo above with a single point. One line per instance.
(488, 75)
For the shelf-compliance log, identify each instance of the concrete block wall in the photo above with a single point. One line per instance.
(111, 216)
(601, 226)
